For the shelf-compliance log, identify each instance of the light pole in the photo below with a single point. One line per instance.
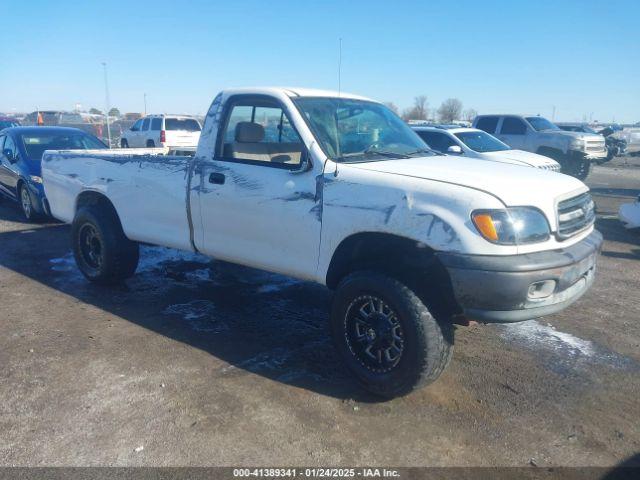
(106, 94)
(145, 104)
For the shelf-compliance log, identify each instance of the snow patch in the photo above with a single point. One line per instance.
(199, 314)
(63, 264)
(536, 335)
(152, 258)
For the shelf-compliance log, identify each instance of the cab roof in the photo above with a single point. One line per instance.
(294, 92)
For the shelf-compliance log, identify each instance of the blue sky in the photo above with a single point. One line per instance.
(583, 57)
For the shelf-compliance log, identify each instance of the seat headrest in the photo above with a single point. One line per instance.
(249, 132)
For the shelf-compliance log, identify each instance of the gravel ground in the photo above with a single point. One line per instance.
(203, 363)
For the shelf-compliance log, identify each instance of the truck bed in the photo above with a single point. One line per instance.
(148, 189)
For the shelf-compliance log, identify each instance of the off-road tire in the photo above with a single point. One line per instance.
(427, 341)
(116, 258)
(579, 168)
(575, 167)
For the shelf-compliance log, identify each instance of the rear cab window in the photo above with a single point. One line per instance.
(488, 124)
(184, 124)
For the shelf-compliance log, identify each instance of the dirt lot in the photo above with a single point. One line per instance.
(205, 363)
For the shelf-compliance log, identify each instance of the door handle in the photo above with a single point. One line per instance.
(216, 178)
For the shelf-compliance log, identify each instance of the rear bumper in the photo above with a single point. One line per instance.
(498, 288)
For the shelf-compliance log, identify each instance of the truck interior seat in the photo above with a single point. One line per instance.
(249, 144)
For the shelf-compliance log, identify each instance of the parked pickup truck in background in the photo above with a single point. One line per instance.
(336, 189)
(574, 151)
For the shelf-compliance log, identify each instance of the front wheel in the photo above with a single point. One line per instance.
(26, 204)
(386, 335)
(103, 253)
(575, 166)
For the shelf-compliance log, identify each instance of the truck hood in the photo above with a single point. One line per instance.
(570, 135)
(519, 157)
(513, 184)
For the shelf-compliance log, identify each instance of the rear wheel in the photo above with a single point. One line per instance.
(150, 144)
(102, 252)
(386, 335)
(124, 143)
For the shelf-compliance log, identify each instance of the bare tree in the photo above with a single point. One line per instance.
(392, 106)
(419, 111)
(470, 114)
(450, 110)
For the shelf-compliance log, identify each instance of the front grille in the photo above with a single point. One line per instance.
(595, 146)
(575, 215)
(553, 168)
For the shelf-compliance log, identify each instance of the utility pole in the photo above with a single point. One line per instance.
(106, 94)
(145, 104)
(340, 66)
(553, 114)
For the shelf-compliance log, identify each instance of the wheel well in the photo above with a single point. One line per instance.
(90, 198)
(550, 152)
(410, 261)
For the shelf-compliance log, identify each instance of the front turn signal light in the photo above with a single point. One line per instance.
(484, 224)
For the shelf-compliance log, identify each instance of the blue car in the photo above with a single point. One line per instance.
(21, 150)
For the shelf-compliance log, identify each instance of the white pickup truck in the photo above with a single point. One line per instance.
(336, 189)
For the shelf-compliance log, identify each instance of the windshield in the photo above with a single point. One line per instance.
(481, 142)
(186, 124)
(351, 130)
(36, 143)
(541, 123)
(577, 128)
(7, 124)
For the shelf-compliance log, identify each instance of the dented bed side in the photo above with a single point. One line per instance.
(147, 191)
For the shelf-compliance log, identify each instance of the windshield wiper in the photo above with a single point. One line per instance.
(368, 152)
(424, 150)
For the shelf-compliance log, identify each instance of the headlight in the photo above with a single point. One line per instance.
(577, 144)
(512, 226)
(35, 179)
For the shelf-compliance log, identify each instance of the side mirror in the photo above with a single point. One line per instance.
(455, 150)
(9, 154)
(305, 163)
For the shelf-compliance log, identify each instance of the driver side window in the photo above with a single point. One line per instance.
(261, 132)
(436, 140)
(9, 145)
(136, 126)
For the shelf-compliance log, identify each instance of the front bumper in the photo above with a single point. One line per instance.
(592, 155)
(38, 200)
(497, 288)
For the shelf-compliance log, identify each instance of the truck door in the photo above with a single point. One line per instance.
(255, 205)
(513, 132)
